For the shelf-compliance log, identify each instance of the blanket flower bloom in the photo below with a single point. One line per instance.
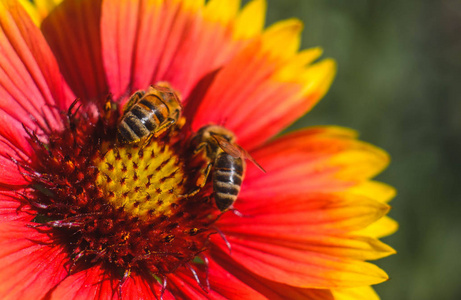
(91, 210)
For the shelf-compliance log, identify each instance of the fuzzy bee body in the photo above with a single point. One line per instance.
(227, 161)
(149, 114)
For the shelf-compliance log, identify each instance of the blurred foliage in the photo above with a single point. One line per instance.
(398, 84)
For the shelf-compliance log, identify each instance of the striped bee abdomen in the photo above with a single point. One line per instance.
(227, 179)
(148, 114)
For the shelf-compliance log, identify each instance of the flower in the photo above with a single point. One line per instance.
(86, 216)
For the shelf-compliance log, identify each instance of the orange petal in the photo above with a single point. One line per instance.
(23, 251)
(31, 85)
(72, 30)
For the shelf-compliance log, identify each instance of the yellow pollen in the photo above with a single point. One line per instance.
(145, 181)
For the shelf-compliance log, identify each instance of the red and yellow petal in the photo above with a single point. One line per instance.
(307, 235)
(176, 41)
(31, 265)
(324, 161)
(269, 289)
(256, 94)
(307, 240)
(215, 37)
(31, 85)
(315, 213)
(300, 268)
(303, 217)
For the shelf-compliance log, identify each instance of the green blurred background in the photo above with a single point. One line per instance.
(399, 77)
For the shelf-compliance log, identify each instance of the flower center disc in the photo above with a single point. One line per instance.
(145, 182)
(127, 208)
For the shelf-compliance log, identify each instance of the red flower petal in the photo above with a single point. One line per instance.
(10, 210)
(11, 177)
(13, 145)
(137, 287)
(223, 285)
(13, 138)
(92, 283)
(31, 85)
(72, 30)
(270, 289)
(30, 266)
(96, 283)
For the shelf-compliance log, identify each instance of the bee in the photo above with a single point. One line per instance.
(149, 113)
(227, 161)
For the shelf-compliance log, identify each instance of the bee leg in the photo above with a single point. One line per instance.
(200, 182)
(200, 147)
(161, 129)
(133, 100)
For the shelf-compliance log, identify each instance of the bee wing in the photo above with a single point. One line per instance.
(165, 87)
(250, 158)
(235, 150)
